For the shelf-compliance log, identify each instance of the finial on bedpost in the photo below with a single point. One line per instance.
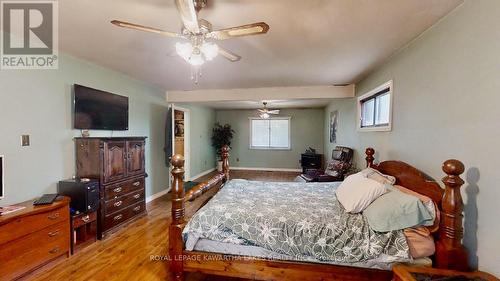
(450, 253)
(225, 161)
(369, 156)
(178, 211)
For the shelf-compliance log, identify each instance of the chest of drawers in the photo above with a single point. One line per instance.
(33, 236)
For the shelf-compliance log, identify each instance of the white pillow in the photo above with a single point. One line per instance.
(356, 192)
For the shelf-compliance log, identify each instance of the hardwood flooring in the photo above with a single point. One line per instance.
(126, 254)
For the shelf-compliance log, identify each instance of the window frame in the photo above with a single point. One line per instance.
(250, 146)
(373, 94)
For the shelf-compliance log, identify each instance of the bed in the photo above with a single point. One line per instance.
(234, 233)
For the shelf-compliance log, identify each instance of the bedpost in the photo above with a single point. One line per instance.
(225, 161)
(369, 156)
(450, 253)
(178, 210)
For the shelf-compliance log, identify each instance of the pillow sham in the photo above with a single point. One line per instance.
(378, 176)
(429, 204)
(356, 192)
(420, 242)
(396, 210)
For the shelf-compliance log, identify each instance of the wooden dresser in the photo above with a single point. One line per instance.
(33, 236)
(119, 164)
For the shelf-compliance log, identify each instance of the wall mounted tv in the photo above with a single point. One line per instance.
(99, 110)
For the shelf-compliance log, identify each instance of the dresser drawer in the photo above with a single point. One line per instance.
(119, 189)
(124, 201)
(30, 224)
(33, 250)
(117, 218)
(84, 219)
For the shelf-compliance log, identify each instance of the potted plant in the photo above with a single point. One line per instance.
(221, 135)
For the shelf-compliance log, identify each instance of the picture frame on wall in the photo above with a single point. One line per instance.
(334, 116)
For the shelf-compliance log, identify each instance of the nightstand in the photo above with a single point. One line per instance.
(83, 230)
(408, 273)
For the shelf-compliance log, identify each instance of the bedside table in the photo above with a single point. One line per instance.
(408, 273)
(83, 230)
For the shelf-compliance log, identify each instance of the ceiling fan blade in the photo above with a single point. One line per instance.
(274, 111)
(188, 15)
(262, 110)
(145, 28)
(244, 30)
(229, 55)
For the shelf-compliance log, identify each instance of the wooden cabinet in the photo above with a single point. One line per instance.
(115, 160)
(119, 164)
(33, 236)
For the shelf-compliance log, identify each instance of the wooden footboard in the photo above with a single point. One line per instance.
(179, 198)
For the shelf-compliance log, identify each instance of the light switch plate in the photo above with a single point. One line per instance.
(25, 140)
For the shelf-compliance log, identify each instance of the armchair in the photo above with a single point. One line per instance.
(336, 168)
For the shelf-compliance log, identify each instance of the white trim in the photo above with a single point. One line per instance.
(264, 169)
(202, 174)
(187, 159)
(2, 175)
(157, 195)
(250, 119)
(388, 84)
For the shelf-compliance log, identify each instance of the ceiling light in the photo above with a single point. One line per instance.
(264, 116)
(209, 50)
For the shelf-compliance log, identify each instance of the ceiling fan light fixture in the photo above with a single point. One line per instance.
(264, 116)
(210, 50)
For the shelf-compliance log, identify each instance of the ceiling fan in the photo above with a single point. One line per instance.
(265, 113)
(200, 35)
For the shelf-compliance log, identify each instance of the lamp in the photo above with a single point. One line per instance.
(197, 55)
(264, 115)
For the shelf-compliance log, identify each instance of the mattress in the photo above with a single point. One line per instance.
(384, 262)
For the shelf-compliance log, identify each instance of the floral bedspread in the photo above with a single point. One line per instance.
(294, 219)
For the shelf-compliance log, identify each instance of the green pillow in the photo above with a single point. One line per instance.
(396, 210)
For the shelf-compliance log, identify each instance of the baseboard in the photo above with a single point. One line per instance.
(202, 174)
(265, 169)
(157, 195)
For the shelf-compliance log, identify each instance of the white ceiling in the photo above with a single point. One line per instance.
(312, 42)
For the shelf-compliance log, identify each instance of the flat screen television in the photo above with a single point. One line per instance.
(99, 110)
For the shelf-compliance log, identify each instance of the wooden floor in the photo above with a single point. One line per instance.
(126, 255)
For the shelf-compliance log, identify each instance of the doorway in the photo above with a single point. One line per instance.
(180, 133)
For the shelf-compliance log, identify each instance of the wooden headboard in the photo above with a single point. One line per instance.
(450, 253)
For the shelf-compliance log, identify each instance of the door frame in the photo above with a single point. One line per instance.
(187, 152)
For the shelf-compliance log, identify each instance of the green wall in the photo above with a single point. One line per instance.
(38, 103)
(446, 105)
(306, 131)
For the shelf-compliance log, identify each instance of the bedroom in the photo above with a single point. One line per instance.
(441, 57)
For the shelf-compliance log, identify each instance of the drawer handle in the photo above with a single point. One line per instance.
(119, 217)
(137, 209)
(137, 196)
(55, 250)
(86, 219)
(118, 204)
(53, 233)
(54, 216)
(117, 190)
(137, 183)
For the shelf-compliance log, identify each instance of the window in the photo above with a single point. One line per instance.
(375, 109)
(273, 133)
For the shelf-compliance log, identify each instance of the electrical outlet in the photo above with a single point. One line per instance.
(25, 140)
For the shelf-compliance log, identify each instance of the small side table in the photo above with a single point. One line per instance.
(408, 273)
(83, 230)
